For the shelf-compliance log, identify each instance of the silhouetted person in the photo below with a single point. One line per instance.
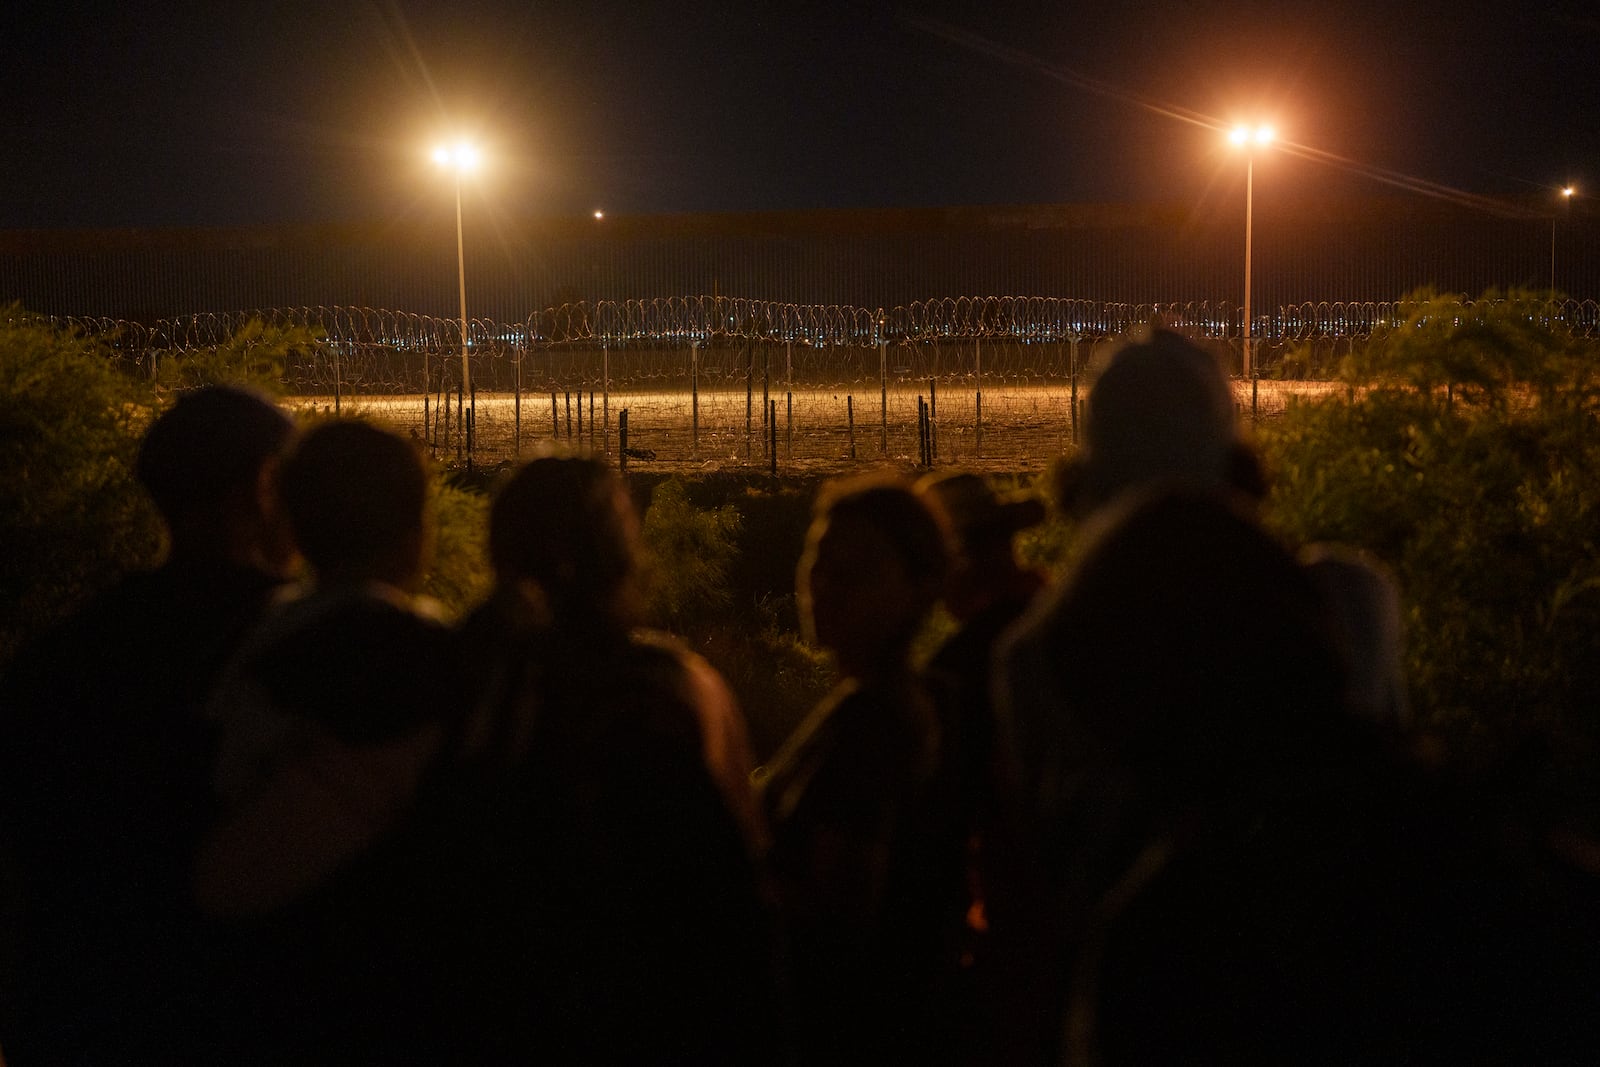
(105, 753)
(330, 714)
(356, 654)
(867, 837)
(1185, 656)
(575, 882)
(1241, 869)
(1130, 660)
(986, 591)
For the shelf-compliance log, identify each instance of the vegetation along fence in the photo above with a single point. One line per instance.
(707, 381)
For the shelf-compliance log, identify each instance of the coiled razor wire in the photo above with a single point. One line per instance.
(711, 376)
(689, 319)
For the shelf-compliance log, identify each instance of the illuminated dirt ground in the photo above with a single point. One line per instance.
(1020, 427)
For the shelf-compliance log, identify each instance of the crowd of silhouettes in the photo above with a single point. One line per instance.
(266, 805)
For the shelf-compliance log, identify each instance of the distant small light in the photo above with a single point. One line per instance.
(441, 154)
(1568, 191)
(1265, 134)
(1239, 135)
(599, 214)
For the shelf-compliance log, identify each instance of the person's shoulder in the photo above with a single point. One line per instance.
(659, 644)
(1206, 517)
(1165, 539)
(330, 653)
(814, 733)
(360, 615)
(97, 637)
(1031, 634)
(674, 658)
(666, 661)
(128, 601)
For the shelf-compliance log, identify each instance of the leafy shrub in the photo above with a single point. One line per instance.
(690, 552)
(723, 581)
(460, 575)
(775, 675)
(1469, 460)
(72, 517)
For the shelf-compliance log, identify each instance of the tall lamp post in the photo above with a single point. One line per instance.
(1566, 198)
(1249, 137)
(462, 158)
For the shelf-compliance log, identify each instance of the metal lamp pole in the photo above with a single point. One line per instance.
(1241, 135)
(463, 157)
(1249, 222)
(461, 277)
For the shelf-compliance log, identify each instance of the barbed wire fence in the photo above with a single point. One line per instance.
(716, 380)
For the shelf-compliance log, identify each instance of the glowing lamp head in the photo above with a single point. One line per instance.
(1568, 191)
(1252, 135)
(462, 157)
(599, 214)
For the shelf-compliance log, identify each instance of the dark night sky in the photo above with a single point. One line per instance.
(188, 113)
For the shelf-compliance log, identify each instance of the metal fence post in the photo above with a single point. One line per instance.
(1073, 375)
(850, 420)
(622, 441)
(977, 400)
(883, 387)
(749, 395)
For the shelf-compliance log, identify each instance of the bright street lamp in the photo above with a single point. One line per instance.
(462, 158)
(1566, 198)
(1249, 137)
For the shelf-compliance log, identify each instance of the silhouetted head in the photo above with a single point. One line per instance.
(206, 463)
(982, 524)
(357, 499)
(874, 563)
(979, 519)
(566, 525)
(1160, 412)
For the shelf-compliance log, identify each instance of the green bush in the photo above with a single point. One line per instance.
(460, 576)
(1468, 460)
(775, 675)
(690, 551)
(72, 517)
(722, 566)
